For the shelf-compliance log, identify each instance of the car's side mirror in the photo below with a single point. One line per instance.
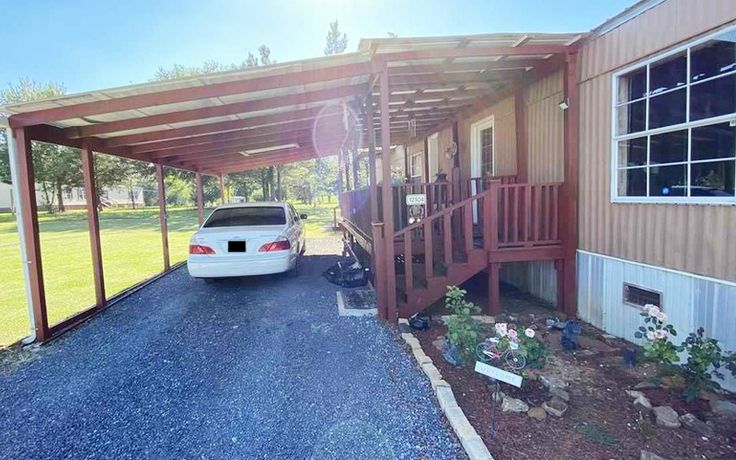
(302, 216)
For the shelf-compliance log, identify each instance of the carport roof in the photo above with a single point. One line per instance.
(259, 116)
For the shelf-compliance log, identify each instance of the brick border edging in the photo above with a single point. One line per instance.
(469, 438)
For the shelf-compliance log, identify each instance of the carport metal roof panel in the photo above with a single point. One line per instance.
(211, 119)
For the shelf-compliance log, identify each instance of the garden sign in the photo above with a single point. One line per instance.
(498, 374)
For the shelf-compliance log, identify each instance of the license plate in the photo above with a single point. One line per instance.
(236, 246)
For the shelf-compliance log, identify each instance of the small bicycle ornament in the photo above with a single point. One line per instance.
(487, 351)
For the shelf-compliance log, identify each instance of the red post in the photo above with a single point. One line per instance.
(494, 292)
(522, 151)
(93, 222)
(222, 189)
(388, 199)
(162, 215)
(31, 237)
(372, 176)
(200, 197)
(379, 277)
(569, 191)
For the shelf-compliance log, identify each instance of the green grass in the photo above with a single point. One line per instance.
(131, 251)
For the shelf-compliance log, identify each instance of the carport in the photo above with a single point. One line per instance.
(220, 123)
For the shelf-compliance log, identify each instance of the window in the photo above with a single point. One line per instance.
(674, 123)
(68, 194)
(415, 166)
(486, 151)
(638, 297)
(246, 216)
(482, 152)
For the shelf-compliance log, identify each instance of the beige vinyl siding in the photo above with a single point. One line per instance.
(693, 238)
(545, 129)
(504, 130)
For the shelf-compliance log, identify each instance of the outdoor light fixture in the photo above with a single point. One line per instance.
(269, 149)
(564, 104)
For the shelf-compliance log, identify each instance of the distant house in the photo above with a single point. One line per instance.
(74, 198)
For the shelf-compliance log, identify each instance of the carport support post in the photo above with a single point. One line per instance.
(93, 222)
(200, 197)
(222, 189)
(20, 150)
(162, 215)
(389, 270)
(372, 179)
(569, 189)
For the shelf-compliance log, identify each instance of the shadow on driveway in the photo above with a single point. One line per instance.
(243, 368)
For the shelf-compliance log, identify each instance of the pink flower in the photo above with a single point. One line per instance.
(512, 333)
(660, 334)
(650, 335)
(662, 316)
(529, 332)
(653, 310)
(501, 329)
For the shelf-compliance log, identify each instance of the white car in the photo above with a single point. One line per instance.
(247, 239)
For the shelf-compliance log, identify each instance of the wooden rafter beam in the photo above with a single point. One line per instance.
(237, 108)
(178, 95)
(480, 51)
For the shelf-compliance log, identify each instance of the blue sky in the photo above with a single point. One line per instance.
(88, 45)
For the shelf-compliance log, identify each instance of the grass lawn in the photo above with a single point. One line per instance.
(131, 250)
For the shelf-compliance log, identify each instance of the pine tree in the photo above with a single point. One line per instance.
(336, 42)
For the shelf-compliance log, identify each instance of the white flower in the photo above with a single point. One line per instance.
(529, 332)
(660, 334)
(662, 316)
(653, 310)
(650, 335)
(512, 333)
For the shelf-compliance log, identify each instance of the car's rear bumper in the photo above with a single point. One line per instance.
(209, 267)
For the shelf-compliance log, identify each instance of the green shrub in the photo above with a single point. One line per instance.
(704, 361)
(462, 330)
(658, 348)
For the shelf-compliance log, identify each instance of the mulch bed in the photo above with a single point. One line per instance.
(601, 422)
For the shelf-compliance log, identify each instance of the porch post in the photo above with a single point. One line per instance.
(200, 197)
(93, 222)
(494, 293)
(388, 199)
(24, 187)
(522, 151)
(372, 176)
(162, 214)
(569, 189)
(222, 189)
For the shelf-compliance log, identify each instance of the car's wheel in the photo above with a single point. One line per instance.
(294, 272)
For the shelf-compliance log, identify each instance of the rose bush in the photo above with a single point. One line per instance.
(658, 347)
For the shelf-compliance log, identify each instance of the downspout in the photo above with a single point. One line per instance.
(14, 177)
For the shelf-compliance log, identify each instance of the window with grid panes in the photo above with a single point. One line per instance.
(486, 148)
(675, 125)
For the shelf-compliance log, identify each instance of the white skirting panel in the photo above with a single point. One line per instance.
(690, 301)
(536, 278)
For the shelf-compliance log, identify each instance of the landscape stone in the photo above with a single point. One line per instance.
(724, 408)
(498, 396)
(552, 382)
(667, 417)
(513, 405)
(635, 394)
(556, 407)
(643, 405)
(560, 393)
(645, 385)
(439, 343)
(646, 455)
(537, 413)
(693, 423)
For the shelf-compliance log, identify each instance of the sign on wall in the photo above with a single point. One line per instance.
(416, 204)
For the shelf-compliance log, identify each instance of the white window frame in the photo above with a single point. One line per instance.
(414, 160)
(476, 163)
(433, 154)
(616, 138)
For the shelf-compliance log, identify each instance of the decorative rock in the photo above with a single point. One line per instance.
(439, 343)
(552, 382)
(537, 413)
(643, 405)
(666, 416)
(560, 393)
(498, 396)
(635, 394)
(693, 423)
(445, 397)
(645, 386)
(556, 407)
(724, 408)
(513, 405)
(646, 455)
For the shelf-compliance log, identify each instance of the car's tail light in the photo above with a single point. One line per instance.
(200, 249)
(281, 245)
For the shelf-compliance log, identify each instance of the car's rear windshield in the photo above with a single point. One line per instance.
(253, 215)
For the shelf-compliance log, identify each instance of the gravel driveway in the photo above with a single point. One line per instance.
(244, 368)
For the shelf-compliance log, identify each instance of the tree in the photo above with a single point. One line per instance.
(56, 168)
(336, 42)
